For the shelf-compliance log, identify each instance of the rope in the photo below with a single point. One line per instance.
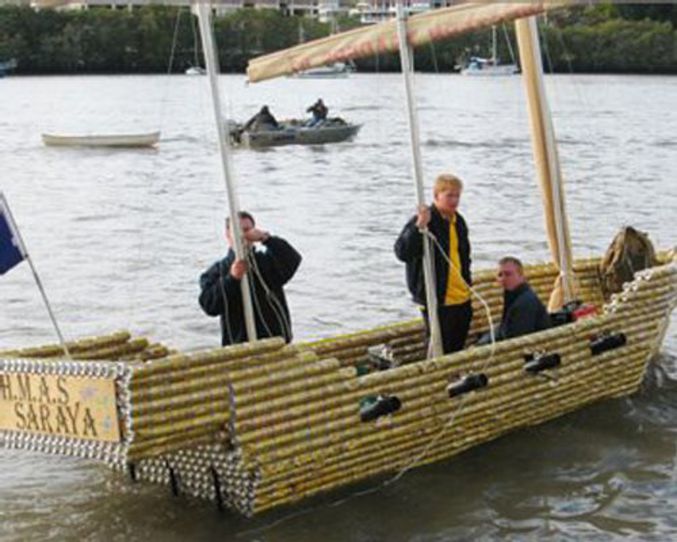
(226, 309)
(459, 408)
(507, 39)
(251, 261)
(174, 40)
(274, 302)
(161, 116)
(420, 455)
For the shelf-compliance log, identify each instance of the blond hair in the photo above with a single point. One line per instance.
(447, 181)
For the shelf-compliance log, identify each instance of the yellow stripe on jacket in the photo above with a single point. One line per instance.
(457, 291)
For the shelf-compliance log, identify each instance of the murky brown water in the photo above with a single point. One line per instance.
(120, 238)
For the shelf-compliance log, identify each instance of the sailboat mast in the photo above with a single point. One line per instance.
(430, 289)
(546, 158)
(494, 59)
(204, 18)
(196, 61)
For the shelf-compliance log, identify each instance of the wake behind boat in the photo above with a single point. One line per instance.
(102, 140)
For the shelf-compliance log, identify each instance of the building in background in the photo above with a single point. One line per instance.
(369, 11)
(325, 10)
(376, 11)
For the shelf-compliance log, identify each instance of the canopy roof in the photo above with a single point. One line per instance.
(433, 25)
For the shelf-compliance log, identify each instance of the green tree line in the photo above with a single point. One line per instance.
(157, 39)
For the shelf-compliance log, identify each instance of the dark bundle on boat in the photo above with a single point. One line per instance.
(629, 252)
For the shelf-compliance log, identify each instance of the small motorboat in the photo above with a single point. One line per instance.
(294, 132)
(107, 140)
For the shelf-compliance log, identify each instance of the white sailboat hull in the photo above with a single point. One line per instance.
(109, 140)
(338, 70)
(196, 70)
(490, 71)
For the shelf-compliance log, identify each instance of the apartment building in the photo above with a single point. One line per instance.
(376, 11)
(325, 10)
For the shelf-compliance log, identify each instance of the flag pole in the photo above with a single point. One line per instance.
(49, 307)
(24, 251)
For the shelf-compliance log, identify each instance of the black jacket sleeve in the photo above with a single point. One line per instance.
(283, 260)
(215, 283)
(409, 245)
(464, 250)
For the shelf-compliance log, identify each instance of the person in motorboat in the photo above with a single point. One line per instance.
(319, 111)
(262, 121)
(270, 266)
(451, 250)
(523, 311)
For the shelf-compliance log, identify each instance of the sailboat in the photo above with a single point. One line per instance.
(195, 68)
(490, 66)
(332, 71)
(335, 70)
(260, 425)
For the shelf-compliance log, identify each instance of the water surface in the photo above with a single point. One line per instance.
(120, 238)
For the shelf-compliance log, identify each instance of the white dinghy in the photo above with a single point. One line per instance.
(108, 140)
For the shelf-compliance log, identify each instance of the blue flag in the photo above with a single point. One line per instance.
(12, 250)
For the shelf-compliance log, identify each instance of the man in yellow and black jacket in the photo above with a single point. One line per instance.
(452, 281)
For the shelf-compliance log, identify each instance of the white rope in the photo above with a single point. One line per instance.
(459, 408)
(251, 260)
(274, 303)
(226, 309)
(418, 457)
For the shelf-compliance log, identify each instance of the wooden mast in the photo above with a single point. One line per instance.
(547, 160)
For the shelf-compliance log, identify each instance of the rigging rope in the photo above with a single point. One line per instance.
(433, 440)
(507, 39)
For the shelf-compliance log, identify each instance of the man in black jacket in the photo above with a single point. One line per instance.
(452, 281)
(263, 120)
(319, 111)
(268, 269)
(523, 311)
